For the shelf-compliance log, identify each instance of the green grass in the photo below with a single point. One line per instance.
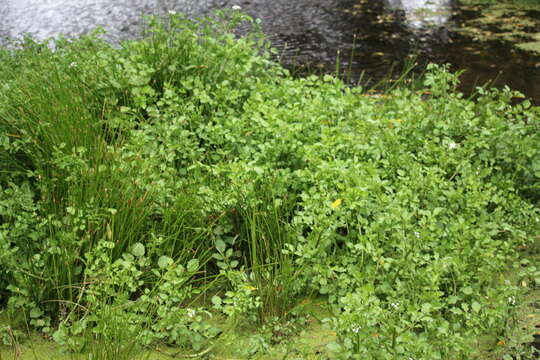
(184, 192)
(267, 233)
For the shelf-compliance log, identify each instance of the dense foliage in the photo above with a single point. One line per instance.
(185, 177)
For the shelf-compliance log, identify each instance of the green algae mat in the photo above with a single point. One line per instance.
(514, 23)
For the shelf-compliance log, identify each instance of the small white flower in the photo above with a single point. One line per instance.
(355, 328)
(417, 234)
(395, 305)
(236, 7)
(172, 12)
(512, 300)
(190, 313)
(452, 145)
(72, 64)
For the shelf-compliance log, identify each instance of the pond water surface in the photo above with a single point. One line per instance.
(368, 36)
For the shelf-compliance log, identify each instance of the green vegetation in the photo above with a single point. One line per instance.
(184, 193)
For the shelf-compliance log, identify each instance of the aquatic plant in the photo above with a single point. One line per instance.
(184, 185)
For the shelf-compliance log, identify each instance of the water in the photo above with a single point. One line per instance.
(422, 13)
(367, 36)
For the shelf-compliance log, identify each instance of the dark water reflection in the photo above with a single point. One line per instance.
(368, 36)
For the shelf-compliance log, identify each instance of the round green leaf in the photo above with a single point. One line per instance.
(220, 246)
(137, 249)
(193, 265)
(35, 313)
(164, 261)
(216, 300)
